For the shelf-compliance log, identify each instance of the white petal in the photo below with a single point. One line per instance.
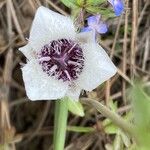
(74, 93)
(27, 51)
(40, 86)
(47, 26)
(98, 67)
(86, 37)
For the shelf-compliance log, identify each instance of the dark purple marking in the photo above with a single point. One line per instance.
(62, 59)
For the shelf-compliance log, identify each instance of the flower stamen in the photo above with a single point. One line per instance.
(62, 59)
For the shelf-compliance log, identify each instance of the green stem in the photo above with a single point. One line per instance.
(115, 118)
(80, 129)
(60, 124)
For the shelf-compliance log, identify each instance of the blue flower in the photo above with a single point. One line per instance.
(118, 6)
(96, 25)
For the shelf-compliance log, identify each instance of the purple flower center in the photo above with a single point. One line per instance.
(62, 59)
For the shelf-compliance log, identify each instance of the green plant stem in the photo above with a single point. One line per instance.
(80, 129)
(60, 124)
(115, 118)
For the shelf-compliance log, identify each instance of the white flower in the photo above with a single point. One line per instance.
(60, 61)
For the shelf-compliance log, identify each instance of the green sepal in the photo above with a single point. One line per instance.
(75, 107)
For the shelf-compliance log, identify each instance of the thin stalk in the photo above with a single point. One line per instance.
(60, 124)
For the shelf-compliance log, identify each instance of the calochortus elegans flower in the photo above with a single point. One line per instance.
(61, 62)
(95, 24)
(118, 6)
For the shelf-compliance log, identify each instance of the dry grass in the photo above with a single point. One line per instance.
(28, 125)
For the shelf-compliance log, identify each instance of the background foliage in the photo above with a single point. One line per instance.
(26, 125)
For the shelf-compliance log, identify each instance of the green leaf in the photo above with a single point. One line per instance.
(133, 147)
(70, 3)
(114, 117)
(125, 139)
(111, 129)
(106, 122)
(75, 12)
(75, 107)
(113, 105)
(118, 145)
(106, 12)
(80, 2)
(128, 116)
(108, 146)
(95, 2)
(80, 129)
(141, 105)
